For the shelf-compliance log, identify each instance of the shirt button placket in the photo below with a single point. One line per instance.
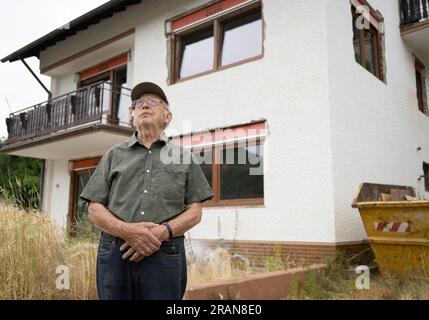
(146, 183)
(148, 170)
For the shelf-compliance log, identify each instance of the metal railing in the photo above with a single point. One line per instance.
(413, 11)
(87, 104)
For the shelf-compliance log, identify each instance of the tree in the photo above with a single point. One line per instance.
(20, 179)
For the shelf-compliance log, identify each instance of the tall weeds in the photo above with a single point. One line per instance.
(31, 250)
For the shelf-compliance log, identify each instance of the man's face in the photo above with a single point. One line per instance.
(149, 114)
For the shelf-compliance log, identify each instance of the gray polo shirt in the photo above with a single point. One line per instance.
(134, 184)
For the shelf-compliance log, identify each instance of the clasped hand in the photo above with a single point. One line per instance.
(142, 240)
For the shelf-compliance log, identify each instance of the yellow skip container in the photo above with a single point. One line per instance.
(397, 228)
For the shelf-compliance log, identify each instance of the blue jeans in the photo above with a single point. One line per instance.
(161, 276)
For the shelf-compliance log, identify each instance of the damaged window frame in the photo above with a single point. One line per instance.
(377, 45)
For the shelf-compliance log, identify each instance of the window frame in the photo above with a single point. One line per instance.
(215, 24)
(216, 201)
(377, 36)
(75, 170)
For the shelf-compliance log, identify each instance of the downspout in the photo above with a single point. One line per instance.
(37, 78)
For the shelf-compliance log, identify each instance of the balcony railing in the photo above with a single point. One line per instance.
(88, 104)
(413, 11)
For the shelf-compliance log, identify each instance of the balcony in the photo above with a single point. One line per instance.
(39, 131)
(415, 25)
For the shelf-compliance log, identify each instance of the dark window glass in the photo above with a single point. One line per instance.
(82, 225)
(421, 86)
(242, 39)
(206, 163)
(419, 90)
(242, 173)
(197, 54)
(370, 52)
(356, 42)
(426, 173)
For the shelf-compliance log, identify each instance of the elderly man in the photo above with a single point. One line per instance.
(144, 206)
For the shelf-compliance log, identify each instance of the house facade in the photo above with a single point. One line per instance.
(327, 94)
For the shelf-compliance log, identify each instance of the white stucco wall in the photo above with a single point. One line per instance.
(47, 186)
(57, 187)
(376, 127)
(63, 84)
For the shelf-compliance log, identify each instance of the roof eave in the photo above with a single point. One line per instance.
(81, 23)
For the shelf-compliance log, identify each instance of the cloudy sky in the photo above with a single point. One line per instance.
(21, 22)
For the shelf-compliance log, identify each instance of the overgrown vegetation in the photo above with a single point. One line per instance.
(218, 264)
(20, 180)
(83, 229)
(338, 281)
(32, 248)
(277, 262)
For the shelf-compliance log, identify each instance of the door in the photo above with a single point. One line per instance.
(114, 73)
(79, 225)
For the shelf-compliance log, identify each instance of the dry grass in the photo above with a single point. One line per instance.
(217, 265)
(391, 289)
(31, 250)
(335, 282)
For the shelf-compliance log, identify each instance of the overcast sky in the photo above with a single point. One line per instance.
(21, 22)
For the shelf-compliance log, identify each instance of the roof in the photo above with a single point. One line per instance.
(92, 17)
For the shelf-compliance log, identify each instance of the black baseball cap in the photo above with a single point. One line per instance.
(147, 87)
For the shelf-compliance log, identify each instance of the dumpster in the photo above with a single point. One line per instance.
(397, 228)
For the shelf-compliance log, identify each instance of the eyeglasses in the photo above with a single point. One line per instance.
(138, 104)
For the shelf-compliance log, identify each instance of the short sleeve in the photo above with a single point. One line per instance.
(197, 188)
(98, 187)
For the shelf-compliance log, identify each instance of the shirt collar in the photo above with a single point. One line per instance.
(133, 139)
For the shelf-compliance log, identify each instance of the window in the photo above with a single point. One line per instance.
(197, 54)
(235, 173)
(421, 86)
(205, 45)
(242, 39)
(367, 44)
(79, 226)
(426, 175)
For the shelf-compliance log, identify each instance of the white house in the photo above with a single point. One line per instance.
(334, 92)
